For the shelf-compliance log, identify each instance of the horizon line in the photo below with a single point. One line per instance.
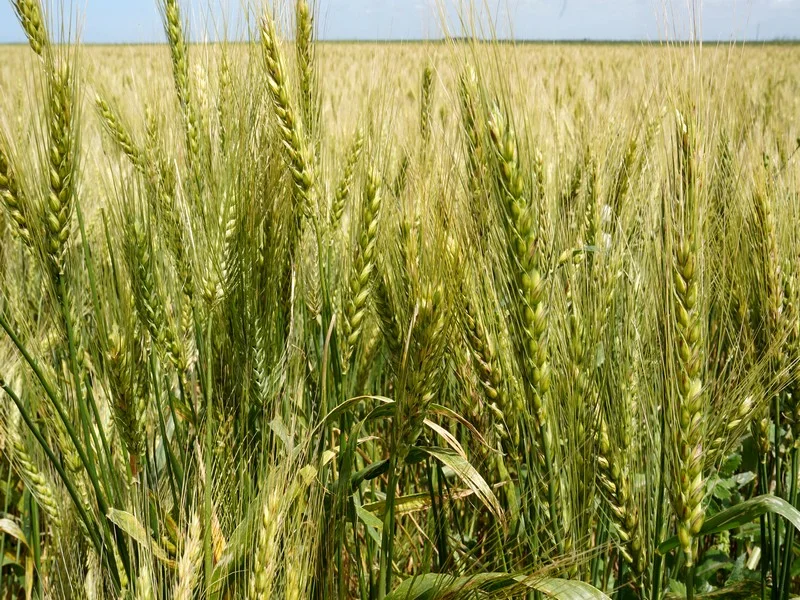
(458, 39)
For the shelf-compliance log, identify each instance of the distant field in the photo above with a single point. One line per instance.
(552, 85)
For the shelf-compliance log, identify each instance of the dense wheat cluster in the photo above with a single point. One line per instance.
(290, 319)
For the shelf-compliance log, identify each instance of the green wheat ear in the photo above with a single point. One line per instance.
(306, 65)
(35, 480)
(62, 165)
(690, 491)
(426, 105)
(363, 268)
(29, 13)
(295, 141)
(13, 197)
(120, 134)
(346, 182)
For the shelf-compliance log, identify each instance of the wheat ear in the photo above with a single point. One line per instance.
(28, 470)
(189, 563)
(29, 13)
(12, 196)
(690, 489)
(306, 66)
(346, 182)
(363, 268)
(62, 163)
(119, 133)
(295, 145)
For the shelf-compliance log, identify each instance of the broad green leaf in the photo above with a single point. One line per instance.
(413, 502)
(282, 433)
(371, 471)
(563, 589)
(130, 525)
(741, 514)
(9, 527)
(447, 437)
(347, 404)
(469, 475)
(372, 524)
(433, 586)
(402, 504)
(308, 474)
(451, 414)
(744, 590)
(10, 562)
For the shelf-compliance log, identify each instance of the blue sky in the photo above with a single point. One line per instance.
(108, 21)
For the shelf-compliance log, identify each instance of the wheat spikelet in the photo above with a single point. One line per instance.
(426, 105)
(528, 297)
(690, 489)
(486, 364)
(791, 317)
(424, 364)
(162, 180)
(224, 102)
(147, 303)
(129, 399)
(771, 270)
(12, 196)
(267, 547)
(400, 182)
(295, 145)
(144, 584)
(28, 470)
(61, 154)
(614, 479)
(146, 294)
(529, 285)
(229, 269)
(118, 132)
(29, 13)
(345, 183)
(304, 41)
(189, 563)
(93, 582)
(361, 280)
(387, 318)
(299, 527)
(473, 136)
(180, 69)
(178, 50)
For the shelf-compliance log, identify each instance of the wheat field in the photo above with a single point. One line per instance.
(460, 319)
